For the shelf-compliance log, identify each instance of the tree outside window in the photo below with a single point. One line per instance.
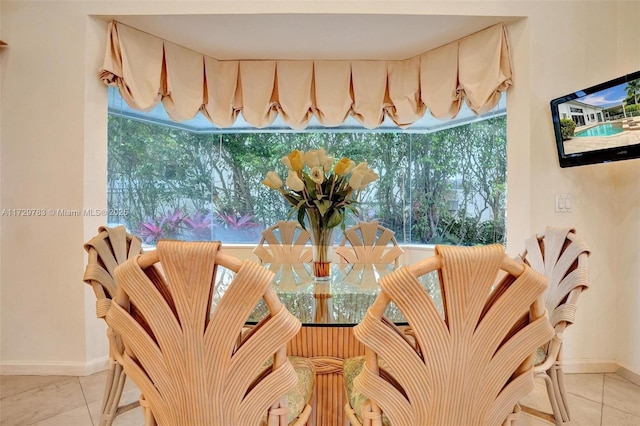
(447, 186)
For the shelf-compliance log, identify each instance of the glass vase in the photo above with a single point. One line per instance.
(322, 243)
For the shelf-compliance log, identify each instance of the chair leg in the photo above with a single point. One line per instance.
(109, 407)
(557, 416)
(557, 378)
(114, 385)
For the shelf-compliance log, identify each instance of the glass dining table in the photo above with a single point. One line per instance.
(328, 310)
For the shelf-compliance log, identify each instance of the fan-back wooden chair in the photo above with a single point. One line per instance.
(186, 357)
(369, 242)
(473, 365)
(561, 256)
(108, 249)
(284, 242)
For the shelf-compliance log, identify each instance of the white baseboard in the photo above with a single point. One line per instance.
(629, 375)
(34, 368)
(589, 366)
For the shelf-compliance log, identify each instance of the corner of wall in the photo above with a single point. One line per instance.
(95, 174)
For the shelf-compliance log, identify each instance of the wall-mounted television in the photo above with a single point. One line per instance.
(599, 124)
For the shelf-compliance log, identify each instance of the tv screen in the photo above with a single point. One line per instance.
(599, 124)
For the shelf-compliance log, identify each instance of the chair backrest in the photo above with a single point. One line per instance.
(286, 241)
(473, 365)
(561, 256)
(110, 248)
(369, 242)
(184, 356)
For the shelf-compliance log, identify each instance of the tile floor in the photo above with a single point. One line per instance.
(596, 399)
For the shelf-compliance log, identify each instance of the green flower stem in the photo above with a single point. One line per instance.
(283, 192)
(305, 195)
(346, 199)
(333, 183)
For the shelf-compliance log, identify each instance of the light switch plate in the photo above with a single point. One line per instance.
(563, 203)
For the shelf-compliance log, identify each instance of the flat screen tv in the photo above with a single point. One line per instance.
(599, 124)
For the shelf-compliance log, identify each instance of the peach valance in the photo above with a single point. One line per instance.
(148, 70)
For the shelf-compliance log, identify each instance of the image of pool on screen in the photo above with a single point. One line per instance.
(606, 129)
(599, 124)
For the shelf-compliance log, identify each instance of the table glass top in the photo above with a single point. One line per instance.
(341, 300)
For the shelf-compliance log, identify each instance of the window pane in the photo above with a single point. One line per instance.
(445, 186)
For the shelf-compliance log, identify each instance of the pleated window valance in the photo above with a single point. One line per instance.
(148, 70)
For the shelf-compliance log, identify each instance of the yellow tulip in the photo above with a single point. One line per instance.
(327, 164)
(361, 176)
(344, 166)
(294, 182)
(312, 158)
(369, 176)
(296, 160)
(273, 181)
(285, 160)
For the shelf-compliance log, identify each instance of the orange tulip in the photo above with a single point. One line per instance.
(344, 166)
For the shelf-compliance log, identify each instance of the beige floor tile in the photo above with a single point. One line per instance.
(94, 410)
(588, 386)
(133, 417)
(584, 412)
(613, 417)
(39, 404)
(538, 398)
(621, 394)
(12, 385)
(76, 417)
(130, 418)
(128, 397)
(93, 388)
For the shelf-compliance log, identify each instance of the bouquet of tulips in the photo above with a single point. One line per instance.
(319, 189)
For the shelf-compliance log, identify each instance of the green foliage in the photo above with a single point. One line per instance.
(471, 231)
(446, 186)
(567, 128)
(633, 92)
(632, 109)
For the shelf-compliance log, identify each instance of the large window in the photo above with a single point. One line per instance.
(168, 180)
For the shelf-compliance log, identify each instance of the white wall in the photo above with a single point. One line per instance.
(627, 189)
(42, 315)
(1, 75)
(561, 62)
(53, 145)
